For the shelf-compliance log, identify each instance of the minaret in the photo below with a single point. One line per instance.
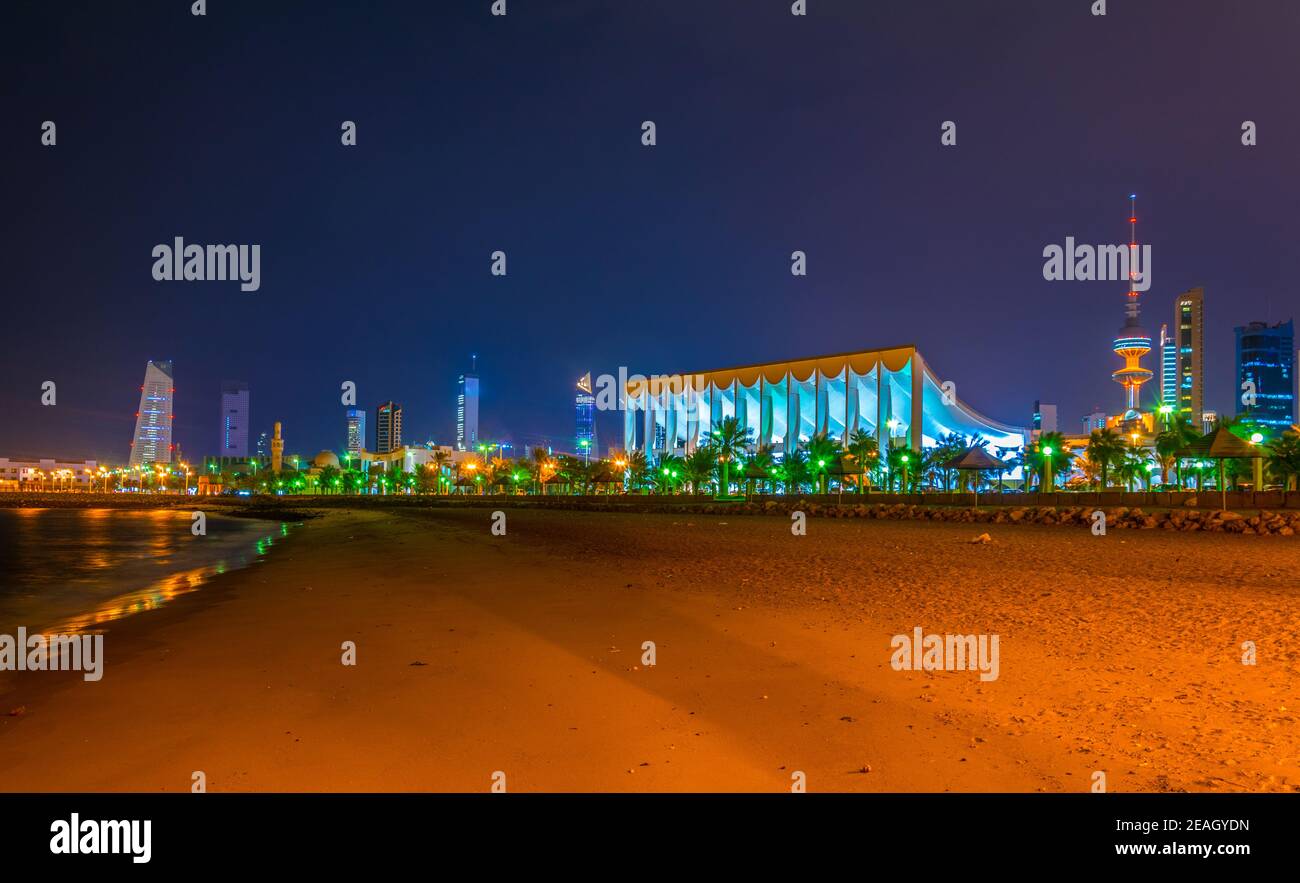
(277, 450)
(1132, 343)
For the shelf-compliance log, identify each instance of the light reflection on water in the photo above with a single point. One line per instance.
(75, 570)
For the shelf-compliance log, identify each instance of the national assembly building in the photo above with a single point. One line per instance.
(891, 394)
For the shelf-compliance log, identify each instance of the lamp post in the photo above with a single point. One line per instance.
(905, 460)
(1256, 439)
(1047, 468)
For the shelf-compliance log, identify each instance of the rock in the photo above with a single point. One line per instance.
(982, 540)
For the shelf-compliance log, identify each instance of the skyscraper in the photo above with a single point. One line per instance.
(585, 408)
(1168, 367)
(153, 422)
(1266, 361)
(356, 431)
(1132, 342)
(467, 409)
(388, 427)
(1189, 319)
(234, 418)
(1045, 417)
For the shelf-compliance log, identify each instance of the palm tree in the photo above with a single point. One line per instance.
(699, 466)
(1179, 434)
(902, 463)
(439, 462)
(864, 449)
(1284, 458)
(936, 458)
(1060, 457)
(1105, 449)
(636, 469)
(671, 468)
(762, 461)
(822, 450)
(793, 471)
(728, 440)
(327, 477)
(1133, 464)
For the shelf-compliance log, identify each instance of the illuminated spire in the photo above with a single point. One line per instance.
(1133, 342)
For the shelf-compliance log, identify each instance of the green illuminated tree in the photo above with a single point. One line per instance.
(728, 440)
(1106, 450)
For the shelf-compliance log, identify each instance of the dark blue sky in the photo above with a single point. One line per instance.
(522, 133)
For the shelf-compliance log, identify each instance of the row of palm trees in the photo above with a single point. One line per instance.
(727, 460)
(1109, 454)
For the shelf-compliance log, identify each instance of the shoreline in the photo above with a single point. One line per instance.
(522, 654)
(1277, 520)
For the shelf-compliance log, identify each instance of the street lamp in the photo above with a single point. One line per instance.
(1255, 439)
(1047, 467)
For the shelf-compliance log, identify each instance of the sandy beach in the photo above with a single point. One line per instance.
(523, 654)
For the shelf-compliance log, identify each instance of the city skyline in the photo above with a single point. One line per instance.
(584, 397)
(690, 223)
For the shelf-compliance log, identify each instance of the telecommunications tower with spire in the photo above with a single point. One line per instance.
(1133, 342)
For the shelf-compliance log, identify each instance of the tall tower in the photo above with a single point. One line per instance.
(356, 432)
(1133, 342)
(234, 418)
(1168, 367)
(585, 413)
(1266, 358)
(277, 450)
(1189, 316)
(388, 428)
(152, 442)
(467, 409)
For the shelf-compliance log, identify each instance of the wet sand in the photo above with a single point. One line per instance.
(522, 654)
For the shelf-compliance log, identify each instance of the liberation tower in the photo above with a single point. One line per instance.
(1133, 342)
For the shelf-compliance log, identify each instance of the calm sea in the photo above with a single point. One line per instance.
(67, 570)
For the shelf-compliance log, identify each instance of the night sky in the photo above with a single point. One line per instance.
(523, 133)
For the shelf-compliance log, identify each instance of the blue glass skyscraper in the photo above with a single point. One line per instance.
(1266, 373)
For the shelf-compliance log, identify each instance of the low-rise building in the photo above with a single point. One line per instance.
(48, 474)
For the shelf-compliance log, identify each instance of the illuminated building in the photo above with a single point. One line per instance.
(1189, 319)
(356, 431)
(890, 394)
(1133, 342)
(1045, 419)
(234, 418)
(277, 450)
(48, 473)
(1168, 367)
(1095, 420)
(152, 442)
(467, 409)
(388, 427)
(585, 416)
(1266, 359)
